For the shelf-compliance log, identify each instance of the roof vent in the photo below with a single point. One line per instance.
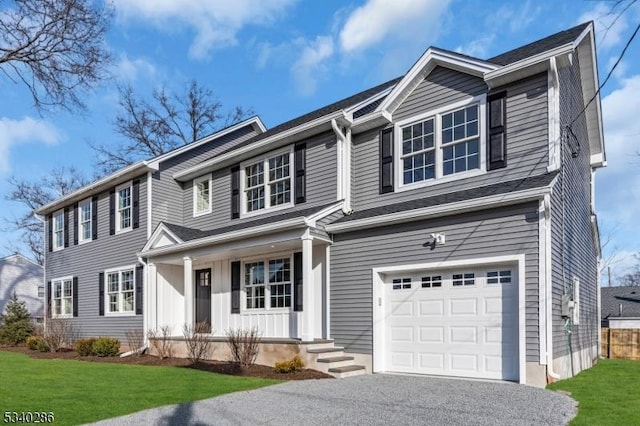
(620, 309)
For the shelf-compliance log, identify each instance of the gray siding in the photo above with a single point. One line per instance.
(573, 247)
(21, 277)
(321, 174)
(527, 136)
(86, 261)
(507, 231)
(168, 193)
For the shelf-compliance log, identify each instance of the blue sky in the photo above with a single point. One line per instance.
(283, 58)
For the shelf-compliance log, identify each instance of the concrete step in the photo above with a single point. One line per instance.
(319, 344)
(347, 371)
(326, 350)
(324, 364)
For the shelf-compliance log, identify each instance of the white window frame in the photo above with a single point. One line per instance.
(118, 212)
(196, 195)
(267, 285)
(266, 183)
(61, 300)
(81, 206)
(55, 230)
(437, 114)
(107, 304)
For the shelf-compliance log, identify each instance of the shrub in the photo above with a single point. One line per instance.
(160, 340)
(243, 344)
(33, 342)
(16, 322)
(59, 333)
(105, 346)
(135, 340)
(289, 366)
(196, 338)
(84, 347)
(42, 346)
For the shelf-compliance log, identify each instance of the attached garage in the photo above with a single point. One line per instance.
(460, 320)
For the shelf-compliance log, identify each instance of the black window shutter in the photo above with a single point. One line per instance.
(101, 294)
(135, 194)
(139, 286)
(76, 213)
(235, 287)
(50, 231)
(235, 192)
(297, 281)
(386, 161)
(497, 134)
(66, 227)
(112, 212)
(49, 307)
(300, 159)
(75, 296)
(94, 217)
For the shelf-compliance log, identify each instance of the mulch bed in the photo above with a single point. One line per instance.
(220, 367)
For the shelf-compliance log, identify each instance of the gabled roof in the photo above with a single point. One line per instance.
(613, 298)
(18, 257)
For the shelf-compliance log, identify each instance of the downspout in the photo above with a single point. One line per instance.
(145, 310)
(548, 286)
(44, 269)
(344, 166)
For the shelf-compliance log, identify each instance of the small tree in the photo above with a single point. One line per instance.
(16, 322)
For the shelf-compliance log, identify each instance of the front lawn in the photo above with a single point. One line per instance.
(79, 392)
(607, 394)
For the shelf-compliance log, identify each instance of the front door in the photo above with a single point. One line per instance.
(203, 299)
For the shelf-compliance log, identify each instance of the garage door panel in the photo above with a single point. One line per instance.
(431, 308)
(402, 334)
(402, 359)
(463, 307)
(431, 334)
(402, 309)
(461, 334)
(431, 361)
(467, 363)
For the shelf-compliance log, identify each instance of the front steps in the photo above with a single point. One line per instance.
(324, 356)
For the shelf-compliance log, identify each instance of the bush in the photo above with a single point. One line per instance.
(196, 338)
(105, 346)
(42, 346)
(84, 347)
(16, 322)
(33, 342)
(289, 366)
(59, 333)
(161, 341)
(243, 344)
(135, 340)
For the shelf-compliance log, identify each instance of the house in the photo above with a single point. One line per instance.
(620, 307)
(24, 277)
(439, 223)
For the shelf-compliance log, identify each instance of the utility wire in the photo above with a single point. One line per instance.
(608, 75)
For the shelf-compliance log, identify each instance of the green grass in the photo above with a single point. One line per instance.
(79, 392)
(608, 393)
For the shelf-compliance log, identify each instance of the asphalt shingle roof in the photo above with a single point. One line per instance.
(613, 297)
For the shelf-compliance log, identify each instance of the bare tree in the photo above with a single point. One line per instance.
(168, 121)
(54, 47)
(35, 194)
(632, 277)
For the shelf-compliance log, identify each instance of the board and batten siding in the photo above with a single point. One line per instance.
(321, 177)
(168, 193)
(508, 231)
(573, 245)
(527, 136)
(87, 260)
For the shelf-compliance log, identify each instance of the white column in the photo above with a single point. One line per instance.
(308, 289)
(188, 290)
(151, 290)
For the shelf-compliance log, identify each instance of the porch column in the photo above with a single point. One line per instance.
(151, 307)
(308, 289)
(188, 290)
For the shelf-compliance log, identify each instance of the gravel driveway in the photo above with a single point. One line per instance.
(377, 399)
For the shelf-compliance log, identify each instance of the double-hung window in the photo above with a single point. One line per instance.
(120, 291)
(84, 221)
(202, 195)
(271, 291)
(267, 183)
(62, 297)
(441, 144)
(58, 230)
(123, 207)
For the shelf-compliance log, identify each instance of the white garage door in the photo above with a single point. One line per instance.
(456, 323)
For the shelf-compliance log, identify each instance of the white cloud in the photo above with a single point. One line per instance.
(399, 19)
(309, 67)
(518, 18)
(27, 130)
(477, 48)
(609, 27)
(132, 69)
(216, 22)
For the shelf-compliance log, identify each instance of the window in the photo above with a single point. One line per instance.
(267, 183)
(441, 144)
(40, 292)
(120, 291)
(276, 291)
(84, 221)
(202, 195)
(58, 230)
(463, 279)
(123, 208)
(401, 283)
(62, 298)
(499, 277)
(432, 281)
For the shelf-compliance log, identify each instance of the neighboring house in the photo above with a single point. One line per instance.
(24, 277)
(440, 223)
(620, 307)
